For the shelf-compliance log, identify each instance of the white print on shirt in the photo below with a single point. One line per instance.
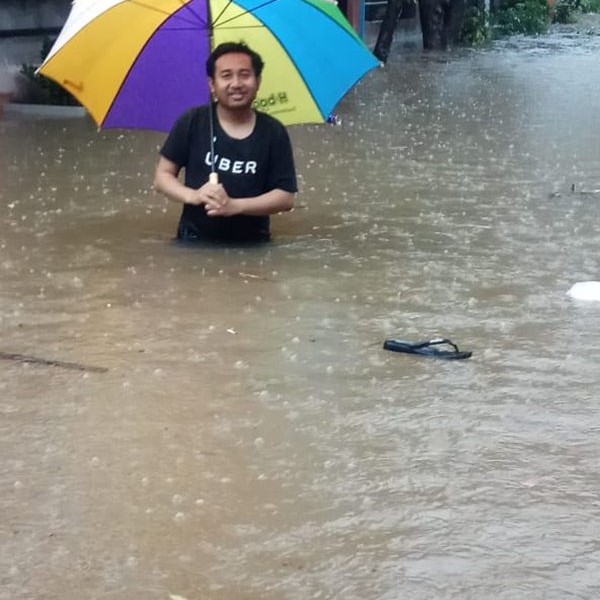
(238, 167)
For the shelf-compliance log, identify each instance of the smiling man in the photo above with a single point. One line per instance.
(252, 157)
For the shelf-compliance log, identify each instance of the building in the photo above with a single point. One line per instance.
(23, 26)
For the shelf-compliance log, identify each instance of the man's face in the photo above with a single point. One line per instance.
(234, 84)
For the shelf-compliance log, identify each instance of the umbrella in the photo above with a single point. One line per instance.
(141, 63)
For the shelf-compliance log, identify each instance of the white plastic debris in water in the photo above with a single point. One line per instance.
(585, 290)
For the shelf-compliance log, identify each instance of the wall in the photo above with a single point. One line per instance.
(28, 14)
(19, 20)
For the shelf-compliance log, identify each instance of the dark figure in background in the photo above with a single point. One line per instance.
(441, 22)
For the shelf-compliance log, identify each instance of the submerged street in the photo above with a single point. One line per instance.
(230, 427)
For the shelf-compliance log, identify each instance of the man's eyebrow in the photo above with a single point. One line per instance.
(231, 70)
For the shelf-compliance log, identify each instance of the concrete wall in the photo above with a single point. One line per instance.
(17, 16)
(29, 14)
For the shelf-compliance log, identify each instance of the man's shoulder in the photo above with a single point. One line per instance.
(270, 121)
(271, 127)
(193, 113)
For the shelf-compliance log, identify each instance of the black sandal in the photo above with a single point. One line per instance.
(427, 348)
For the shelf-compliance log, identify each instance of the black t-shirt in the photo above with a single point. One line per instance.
(249, 167)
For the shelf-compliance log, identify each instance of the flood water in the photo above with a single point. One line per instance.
(246, 436)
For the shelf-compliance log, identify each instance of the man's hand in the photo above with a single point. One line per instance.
(213, 196)
(194, 196)
(217, 202)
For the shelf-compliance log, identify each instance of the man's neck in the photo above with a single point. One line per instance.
(235, 116)
(236, 123)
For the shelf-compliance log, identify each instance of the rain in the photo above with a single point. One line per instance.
(194, 423)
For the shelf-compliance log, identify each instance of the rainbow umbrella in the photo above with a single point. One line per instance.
(141, 63)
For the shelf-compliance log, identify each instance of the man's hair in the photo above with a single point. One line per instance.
(231, 47)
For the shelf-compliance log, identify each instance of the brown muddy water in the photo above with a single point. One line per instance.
(249, 437)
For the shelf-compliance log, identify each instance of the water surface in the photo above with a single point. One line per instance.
(250, 438)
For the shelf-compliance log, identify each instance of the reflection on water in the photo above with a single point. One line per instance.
(250, 438)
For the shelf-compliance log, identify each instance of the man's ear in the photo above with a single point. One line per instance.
(211, 85)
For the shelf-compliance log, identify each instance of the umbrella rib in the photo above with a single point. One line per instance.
(243, 27)
(246, 12)
(184, 5)
(215, 21)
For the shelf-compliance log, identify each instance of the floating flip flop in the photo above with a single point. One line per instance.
(427, 348)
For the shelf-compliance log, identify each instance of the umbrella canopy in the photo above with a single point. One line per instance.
(141, 63)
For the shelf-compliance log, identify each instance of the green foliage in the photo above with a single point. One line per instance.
(476, 28)
(41, 90)
(529, 17)
(590, 6)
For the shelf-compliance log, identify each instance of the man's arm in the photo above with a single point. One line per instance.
(166, 181)
(215, 198)
(219, 204)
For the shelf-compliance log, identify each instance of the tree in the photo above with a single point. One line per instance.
(393, 10)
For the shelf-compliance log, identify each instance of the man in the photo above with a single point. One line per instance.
(252, 157)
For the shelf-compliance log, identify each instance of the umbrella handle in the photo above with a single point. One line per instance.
(213, 177)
